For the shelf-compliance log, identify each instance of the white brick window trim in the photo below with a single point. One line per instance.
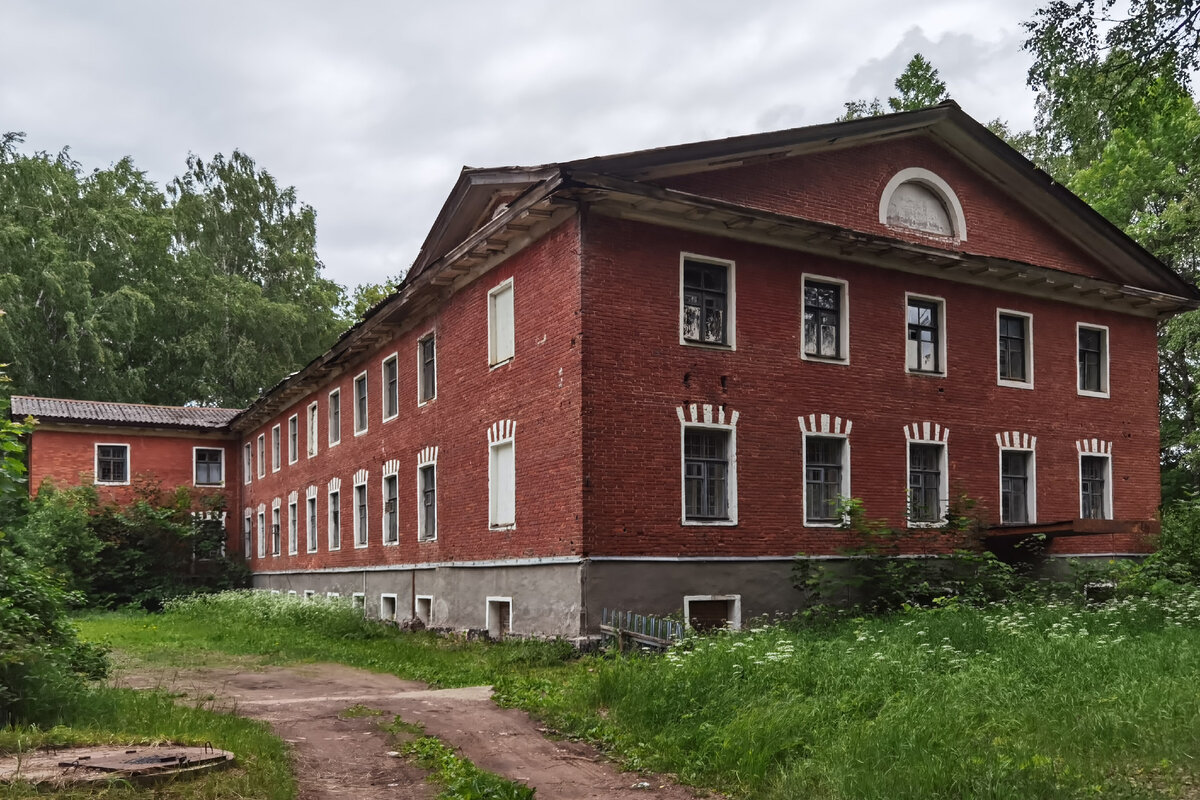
(1096, 448)
(707, 415)
(930, 433)
(499, 434)
(825, 426)
(1016, 440)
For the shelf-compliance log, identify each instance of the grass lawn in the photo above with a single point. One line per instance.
(1018, 701)
(123, 716)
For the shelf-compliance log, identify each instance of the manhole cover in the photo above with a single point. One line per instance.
(89, 764)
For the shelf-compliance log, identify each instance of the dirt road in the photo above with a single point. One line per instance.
(338, 757)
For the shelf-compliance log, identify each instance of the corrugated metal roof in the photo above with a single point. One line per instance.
(50, 409)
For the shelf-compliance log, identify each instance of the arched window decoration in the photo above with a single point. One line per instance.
(919, 200)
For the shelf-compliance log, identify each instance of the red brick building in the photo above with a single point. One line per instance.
(645, 380)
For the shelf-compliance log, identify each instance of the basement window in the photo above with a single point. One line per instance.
(499, 617)
(387, 607)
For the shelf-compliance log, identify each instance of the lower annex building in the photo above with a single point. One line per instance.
(644, 381)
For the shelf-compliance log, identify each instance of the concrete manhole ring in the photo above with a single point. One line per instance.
(72, 765)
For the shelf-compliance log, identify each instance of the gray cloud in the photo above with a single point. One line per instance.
(371, 108)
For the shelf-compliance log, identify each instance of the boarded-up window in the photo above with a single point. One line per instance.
(502, 484)
(501, 331)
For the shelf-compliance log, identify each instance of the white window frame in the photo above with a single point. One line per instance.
(293, 525)
(394, 359)
(1104, 359)
(360, 425)
(262, 531)
(1030, 483)
(247, 463)
(312, 521)
(361, 530)
(427, 600)
(312, 432)
(276, 522)
(292, 593)
(128, 464)
(428, 460)
(359, 600)
(262, 455)
(730, 342)
(943, 481)
(503, 435)
(940, 302)
(276, 447)
(334, 487)
(846, 482)
(390, 470)
(1108, 483)
(293, 441)
(431, 334)
(843, 320)
(733, 604)
(309, 594)
(731, 497)
(335, 431)
(248, 534)
(495, 353)
(216, 485)
(395, 606)
(1027, 384)
(488, 614)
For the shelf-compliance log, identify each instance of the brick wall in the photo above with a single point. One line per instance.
(539, 390)
(843, 187)
(636, 374)
(67, 457)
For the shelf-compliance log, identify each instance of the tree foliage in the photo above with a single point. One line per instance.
(116, 290)
(1118, 125)
(1092, 67)
(918, 86)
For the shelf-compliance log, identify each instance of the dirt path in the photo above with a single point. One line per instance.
(347, 758)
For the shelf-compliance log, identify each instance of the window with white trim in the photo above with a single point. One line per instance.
(1014, 333)
(499, 617)
(360, 509)
(502, 476)
(247, 462)
(501, 324)
(1092, 364)
(826, 329)
(275, 528)
(262, 531)
(275, 444)
(391, 388)
(925, 345)
(311, 527)
(426, 369)
(926, 482)
(708, 450)
(922, 201)
(262, 455)
(313, 429)
(1095, 486)
(391, 510)
(293, 438)
(427, 502)
(248, 534)
(335, 514)
(825, 471)
(1017, 487)
(360, 404)
(706, 293)
(335, 417)
(208, 468)
(112, 464)
(293, 525)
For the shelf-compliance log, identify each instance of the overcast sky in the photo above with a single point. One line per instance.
(370, 109)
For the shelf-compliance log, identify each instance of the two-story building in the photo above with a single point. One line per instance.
(646, 381)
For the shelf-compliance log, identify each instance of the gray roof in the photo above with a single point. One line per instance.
(49, 409)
